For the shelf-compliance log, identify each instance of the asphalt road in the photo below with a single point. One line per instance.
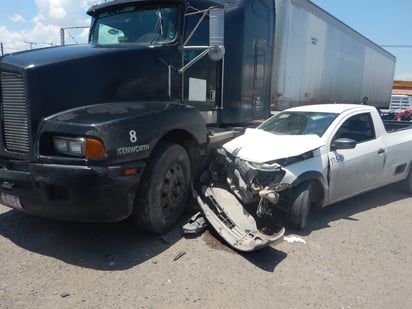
(354, 254)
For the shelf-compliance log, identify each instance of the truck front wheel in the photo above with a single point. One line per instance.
(299, 206)
(163, 190)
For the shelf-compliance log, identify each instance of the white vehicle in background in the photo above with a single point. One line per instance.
(305, 156)
(400, 102)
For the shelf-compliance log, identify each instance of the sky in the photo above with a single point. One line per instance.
(26, 24)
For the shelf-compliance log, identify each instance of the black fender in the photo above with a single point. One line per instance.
(129, 130)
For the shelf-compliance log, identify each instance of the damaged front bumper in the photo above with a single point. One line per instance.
(233, 222)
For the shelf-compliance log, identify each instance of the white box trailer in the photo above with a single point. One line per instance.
(319, 59)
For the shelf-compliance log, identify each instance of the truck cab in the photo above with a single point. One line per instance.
(119, 127)
(181, 48)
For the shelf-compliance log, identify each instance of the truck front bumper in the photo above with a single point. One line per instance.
(67, 192)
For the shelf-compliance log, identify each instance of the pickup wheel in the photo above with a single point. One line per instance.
(407, 183)
(299, 206)
(164, 188)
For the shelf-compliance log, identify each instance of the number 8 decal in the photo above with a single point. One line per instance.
(133, 137)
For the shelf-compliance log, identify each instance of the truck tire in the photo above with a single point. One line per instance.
(164, 188)
(299, 206)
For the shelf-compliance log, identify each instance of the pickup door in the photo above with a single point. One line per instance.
(359, 169)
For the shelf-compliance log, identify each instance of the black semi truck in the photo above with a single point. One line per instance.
(121, 126)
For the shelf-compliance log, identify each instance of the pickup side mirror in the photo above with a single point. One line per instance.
(343, 143)
(216, 34)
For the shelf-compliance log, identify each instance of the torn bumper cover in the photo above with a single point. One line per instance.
(233, 222)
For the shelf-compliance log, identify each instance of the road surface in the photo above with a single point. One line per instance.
(354, 254)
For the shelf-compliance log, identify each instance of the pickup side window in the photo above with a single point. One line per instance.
(359, 128)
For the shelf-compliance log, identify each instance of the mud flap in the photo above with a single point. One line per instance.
(233, 222)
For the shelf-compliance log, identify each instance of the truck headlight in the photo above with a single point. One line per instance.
(80, 147)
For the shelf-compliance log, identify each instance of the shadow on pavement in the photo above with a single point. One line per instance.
(266, 259)
(108, 246)
(321, 217)
(102, 246)
(118, 246)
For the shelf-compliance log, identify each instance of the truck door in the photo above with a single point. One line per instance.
(358, 169)
(200, 82)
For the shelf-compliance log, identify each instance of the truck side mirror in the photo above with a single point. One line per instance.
(216, 34)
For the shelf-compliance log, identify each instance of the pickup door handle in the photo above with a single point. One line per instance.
(381, 151)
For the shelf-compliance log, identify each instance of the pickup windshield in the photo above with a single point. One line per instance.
(298, 123)
(135, 25)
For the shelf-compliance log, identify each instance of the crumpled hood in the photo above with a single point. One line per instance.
(259, 146)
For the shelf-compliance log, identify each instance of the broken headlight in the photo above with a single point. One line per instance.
(266, 174)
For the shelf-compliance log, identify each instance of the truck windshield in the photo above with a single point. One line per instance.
(298, 123)
(134, 25)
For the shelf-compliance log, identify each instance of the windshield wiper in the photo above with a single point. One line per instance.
(158, 27)
(160, 15)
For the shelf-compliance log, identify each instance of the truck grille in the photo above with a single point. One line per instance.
(14, 115)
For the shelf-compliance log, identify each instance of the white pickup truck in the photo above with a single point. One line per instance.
(305, 156)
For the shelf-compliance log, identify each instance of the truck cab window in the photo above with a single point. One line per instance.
(199, 38)
(359, 128)
(135, 25)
